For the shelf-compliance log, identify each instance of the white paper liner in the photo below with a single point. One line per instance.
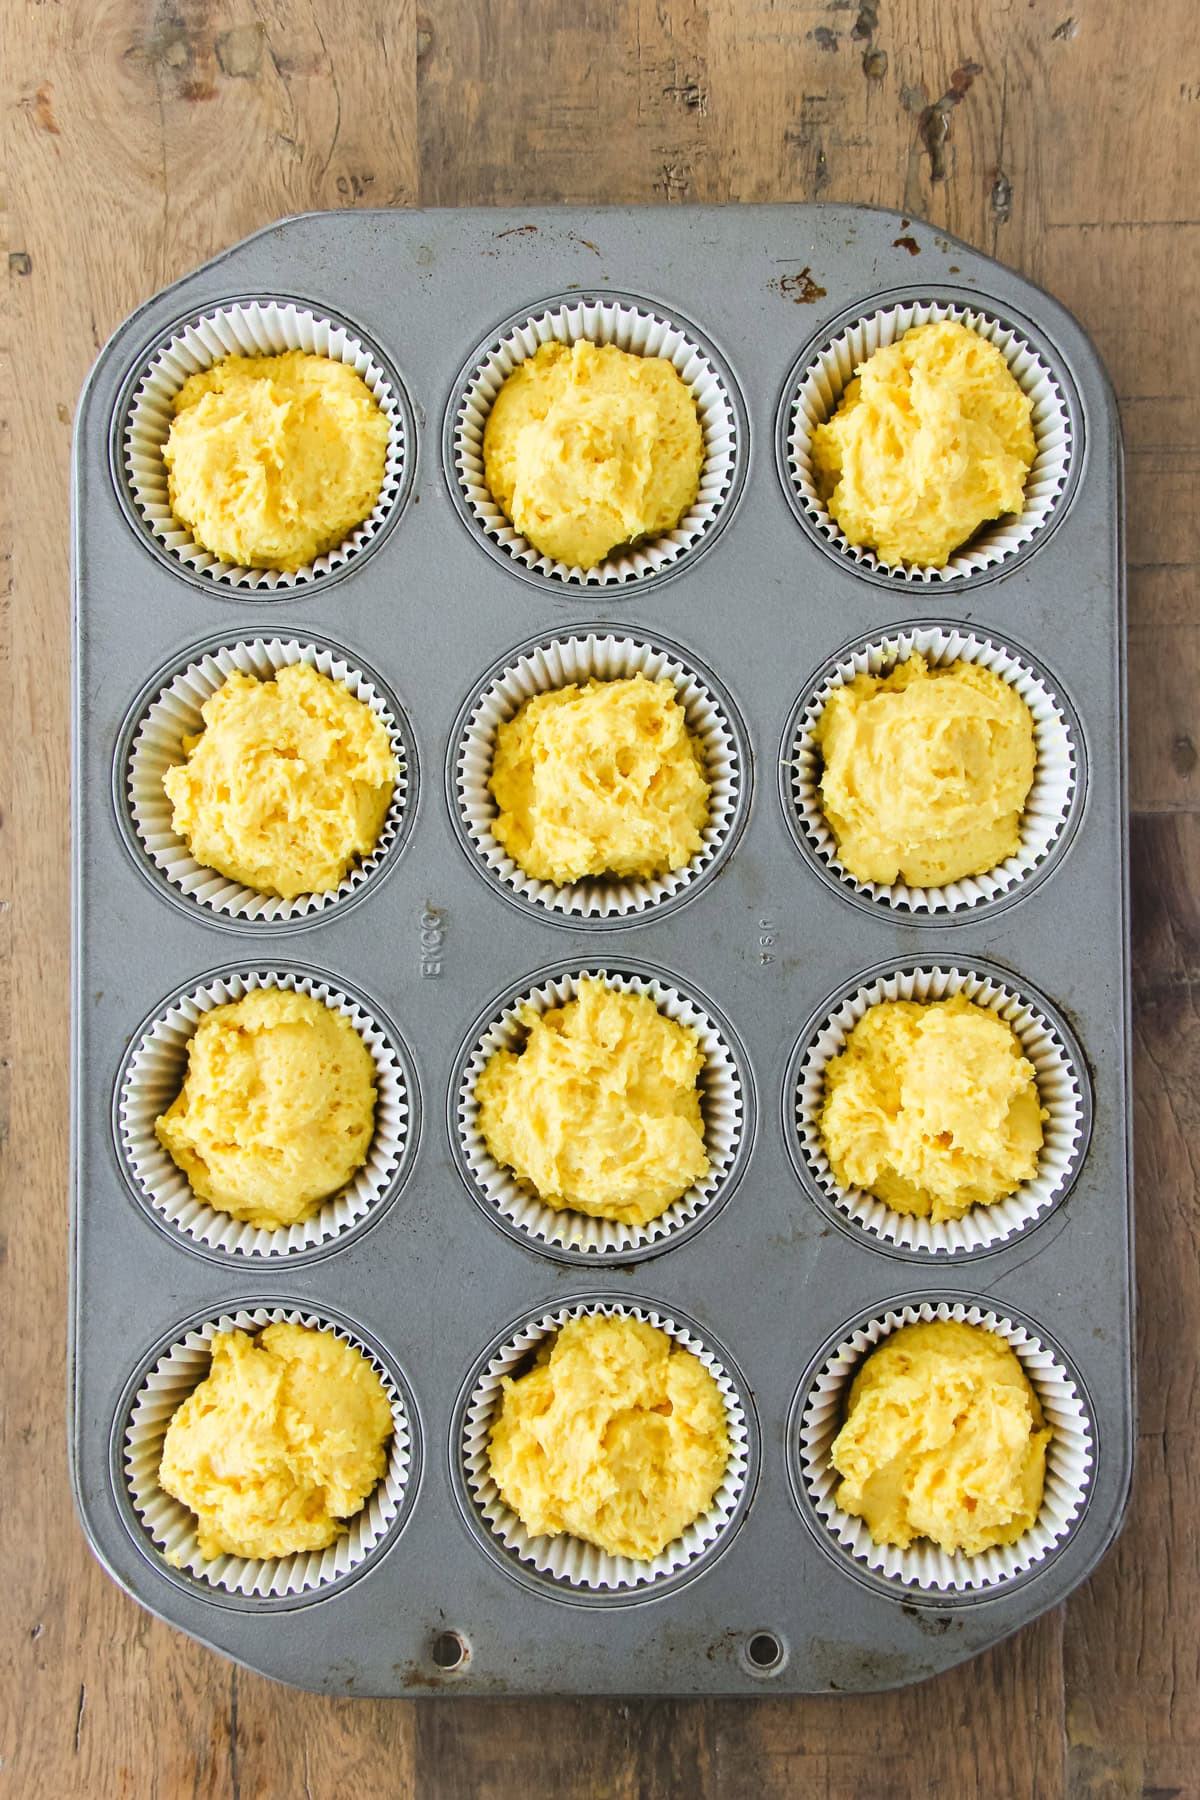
(642, 332)
(1060, 1080)
(567, 1560)
(558, 662)
(1069, 1458)
(1047, 807)
(820, 388)
(172, 1527)
(157, 744)
(249, 328)
(154, 1073)
(722, 1101)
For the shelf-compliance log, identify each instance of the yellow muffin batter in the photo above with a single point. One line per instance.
(599, 1110)
(617, 1435)
(600, 780)
(587, 447)
(932, 438)
(280, 1444)
(287, 785)
(944, 1439)
(272, 460)
(932, 1108)
(277, 1109)
(926, 771)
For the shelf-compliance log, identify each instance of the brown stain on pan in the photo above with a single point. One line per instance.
(800, 288)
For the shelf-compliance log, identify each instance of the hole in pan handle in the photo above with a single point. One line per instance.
(764, 1653)
(449, 1650)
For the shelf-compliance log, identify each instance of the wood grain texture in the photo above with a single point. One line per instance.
(141, 136)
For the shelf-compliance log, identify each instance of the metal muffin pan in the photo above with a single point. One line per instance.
(775, 1279)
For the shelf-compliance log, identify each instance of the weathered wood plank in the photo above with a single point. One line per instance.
(1131, 1659)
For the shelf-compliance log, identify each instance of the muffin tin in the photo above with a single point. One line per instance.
(442, 1271)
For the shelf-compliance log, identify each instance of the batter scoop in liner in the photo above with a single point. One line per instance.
(932, 438)
(277, 1109)
(943, 1439)
(274, 460)
(588, 447)
(603, 779)
(927, 771)
(932, 1107)
(280, 1445)
(599, 1111)
(617, 1435)
(288, 784)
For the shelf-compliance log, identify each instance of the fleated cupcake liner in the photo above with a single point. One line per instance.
(570, 1563)
(725, 1102)
(171, 1527)
(924, 1565)
(1052, 805)
(1062, 1086)
(250, 328)
(557, 662)
(813, 396)
(153, 1073)
(172, 711)
(643, 331)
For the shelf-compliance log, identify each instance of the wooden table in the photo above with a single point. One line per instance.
(144, 137)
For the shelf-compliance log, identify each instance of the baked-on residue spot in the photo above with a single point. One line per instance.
(801, 288)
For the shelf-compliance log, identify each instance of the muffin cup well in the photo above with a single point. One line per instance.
(1062, 1082)
(643, 330)
(169, 709)
(164, 1526)
(249, 327)
(818, 1415)
(819, 380)
(727, 1106)
(1052, 807)
(576, 1569)
(556, 662)
(153, 1073)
